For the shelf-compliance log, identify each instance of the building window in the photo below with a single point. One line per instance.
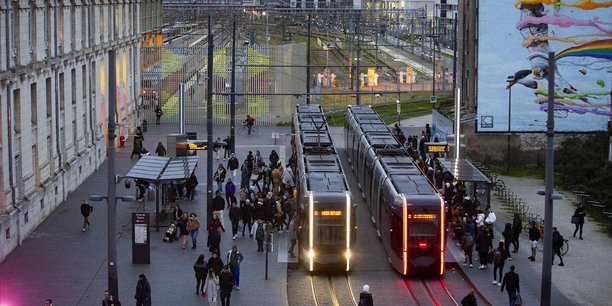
(47, 31)
(84, 81)
(17, 111)
(32, 29)
(42, 203)
(83, 26)
(73, 87)
(34, 103)
(36, 165)
(15, 34)
(61, 91)
(7, 234)
(73, 26)
(26, 217)
(60, 30)
(48, 96)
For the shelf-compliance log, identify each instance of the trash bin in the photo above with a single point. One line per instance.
(121, 141)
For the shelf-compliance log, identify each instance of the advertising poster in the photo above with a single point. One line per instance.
(515, 38)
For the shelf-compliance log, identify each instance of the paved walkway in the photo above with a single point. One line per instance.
(580, 281)
(60, 262)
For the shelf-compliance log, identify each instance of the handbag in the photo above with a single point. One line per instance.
(519, 299)
(574, 219)
(462, 257)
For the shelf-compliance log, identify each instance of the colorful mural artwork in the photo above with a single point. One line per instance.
(513, 83)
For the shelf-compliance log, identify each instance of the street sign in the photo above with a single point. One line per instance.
(399, 108)
(433, 99)
(437, 147)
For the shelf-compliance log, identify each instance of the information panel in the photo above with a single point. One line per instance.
(515, 38)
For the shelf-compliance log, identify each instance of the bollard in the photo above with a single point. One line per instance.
(144, 125)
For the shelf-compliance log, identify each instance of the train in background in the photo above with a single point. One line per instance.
(327, 214)
(406, 209)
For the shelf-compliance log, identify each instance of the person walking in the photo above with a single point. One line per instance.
(183, 232)
(483, 245)
(534, 236)
(230, 191)
(293, 234)
(512, 284)
(276, 181)
(193, 227)
(201, 271)
(158, 114)
(86, 210)
(288, 177)
(467, 245)
(517, 228)
(365, 297)
(143, 291)
(227, 147)
(214, 234)
(578, 219)
(246, 212)
(215, 263)
(508, 235)
(469, 299)
(218, 205)
(160, 150)
(234, 259)
(234, 215)
(109, 299)
(226, 285)
(260, 230)
(499, 259)
(232, 167)
(211, 288)
(219, 177)
(557, 244)
(190, 185)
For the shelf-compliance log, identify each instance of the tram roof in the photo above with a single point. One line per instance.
(382, 140)
(326, 181)
(309, 108)
(312, 122)
(362, 109)
(314, 139)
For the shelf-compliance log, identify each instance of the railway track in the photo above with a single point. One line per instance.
(448, 290)
(329, 290)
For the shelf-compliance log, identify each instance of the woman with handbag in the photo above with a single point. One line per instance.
(578, 219)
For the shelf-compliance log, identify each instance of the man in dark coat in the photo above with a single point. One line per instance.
(534, 236)
(517, 228)
(365, 297)
(226, 285)
(512, 284)
(143, 291)
(484, 243)
(86, 209)
(215, 263)
(469, 299)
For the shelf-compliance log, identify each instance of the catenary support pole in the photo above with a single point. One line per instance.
(548, 193)
(358, 77)
(113, 279)
(455, 55)
(233, 89)
(182, 108)
(308, 63)
(209, 121)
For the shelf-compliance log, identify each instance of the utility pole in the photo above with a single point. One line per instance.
(233, 89)
(308, 63)
(113, 278)
(358, 32)
(455, 55)
(209, 121)
(548, 202)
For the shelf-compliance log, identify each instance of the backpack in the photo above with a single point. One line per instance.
(259, 234)
(233, 260)
(497, 256)
(469, 241)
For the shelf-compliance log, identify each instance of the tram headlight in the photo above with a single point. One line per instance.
(347, 254)
(311, 254)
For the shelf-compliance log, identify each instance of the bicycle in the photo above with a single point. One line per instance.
(564, 247)
(244, 130)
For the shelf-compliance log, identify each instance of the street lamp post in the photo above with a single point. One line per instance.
(509, 80)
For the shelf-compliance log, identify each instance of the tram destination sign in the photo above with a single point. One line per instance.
(437, 147)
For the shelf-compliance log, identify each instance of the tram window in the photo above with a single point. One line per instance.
(329, 235)
(423, 228)
(397, 235)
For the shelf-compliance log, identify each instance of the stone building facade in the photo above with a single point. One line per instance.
(54, 98)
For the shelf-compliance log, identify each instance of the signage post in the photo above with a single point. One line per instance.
(141, 244)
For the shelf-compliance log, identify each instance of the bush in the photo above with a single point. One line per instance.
(582, 164)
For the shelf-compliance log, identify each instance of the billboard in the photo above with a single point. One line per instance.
(515, 38)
